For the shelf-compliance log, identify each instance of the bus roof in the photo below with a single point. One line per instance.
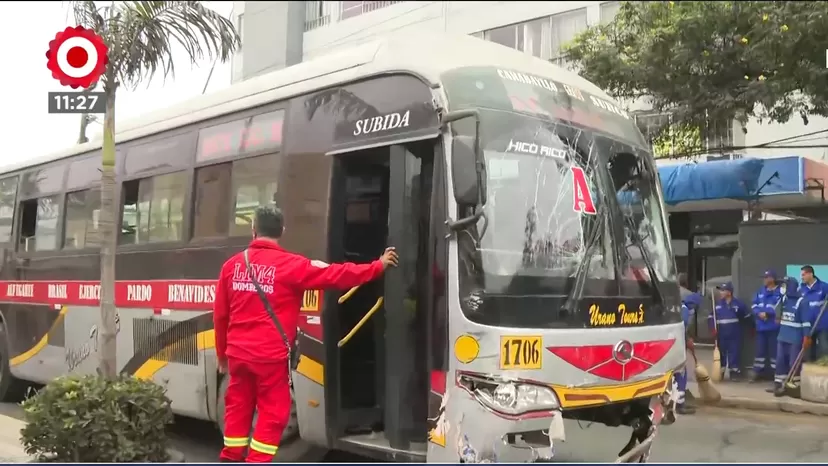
(425, 54)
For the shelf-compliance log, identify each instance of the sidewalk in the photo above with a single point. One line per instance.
(751, 396)
(11, 451)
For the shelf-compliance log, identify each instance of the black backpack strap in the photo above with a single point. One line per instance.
(268, 307)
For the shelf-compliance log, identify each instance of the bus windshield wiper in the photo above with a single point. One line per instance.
(574, 296)
(645, 256)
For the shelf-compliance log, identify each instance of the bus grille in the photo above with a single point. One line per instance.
(166, 340)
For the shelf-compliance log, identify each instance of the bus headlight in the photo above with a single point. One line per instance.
(511, 398)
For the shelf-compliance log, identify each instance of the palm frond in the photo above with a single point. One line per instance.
(144, 33)
(87, 14)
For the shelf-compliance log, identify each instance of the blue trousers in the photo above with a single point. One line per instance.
(765, 360)
(820, 344)
(786, 354)
(730, 347)
(681, 381)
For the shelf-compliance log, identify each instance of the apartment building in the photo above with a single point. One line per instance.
(284, 33)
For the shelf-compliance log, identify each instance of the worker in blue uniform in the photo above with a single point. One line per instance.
(689, 305)
(764, 308)
(730, 313)
(814, 291)
(793, 334)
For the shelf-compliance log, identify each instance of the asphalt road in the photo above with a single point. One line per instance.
(711, 435)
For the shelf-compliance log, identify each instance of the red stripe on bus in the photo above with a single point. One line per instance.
(184, 295)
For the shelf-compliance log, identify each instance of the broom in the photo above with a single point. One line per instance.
(717, 355)
(791, 388)
(708, 391)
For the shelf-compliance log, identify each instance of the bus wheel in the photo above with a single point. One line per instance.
(291, 430)
(12, 389)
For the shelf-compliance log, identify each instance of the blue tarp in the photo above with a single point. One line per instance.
(731, 179)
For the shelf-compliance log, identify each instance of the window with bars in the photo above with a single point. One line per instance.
(542, 37)
(608, 11)
(565, 26)
(351, 9)
(318, 14)
(668, 140)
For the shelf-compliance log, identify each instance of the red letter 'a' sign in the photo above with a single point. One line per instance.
(582, 199)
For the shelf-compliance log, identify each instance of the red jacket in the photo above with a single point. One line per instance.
(244, 329)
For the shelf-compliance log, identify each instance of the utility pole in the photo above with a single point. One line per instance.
(84, 123)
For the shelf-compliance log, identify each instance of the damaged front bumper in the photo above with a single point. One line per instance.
(481, 435)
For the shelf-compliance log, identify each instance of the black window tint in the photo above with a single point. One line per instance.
(255, 183)
(212, 201)
(8, 192)
(43, 180)
(83, 210)
(171, 152)
(84, 172)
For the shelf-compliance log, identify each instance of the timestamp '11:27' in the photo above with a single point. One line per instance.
(77, 102)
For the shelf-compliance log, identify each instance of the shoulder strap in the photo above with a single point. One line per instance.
(265, 301)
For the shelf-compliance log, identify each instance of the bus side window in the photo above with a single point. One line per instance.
(82, 216)
(8, 194)
(212, 201)
(38, 224)
(255, 183)
(153, 209)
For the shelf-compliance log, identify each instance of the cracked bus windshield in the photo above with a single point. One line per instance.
(573, 210)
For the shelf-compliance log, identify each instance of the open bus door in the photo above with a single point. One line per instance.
(377, 399)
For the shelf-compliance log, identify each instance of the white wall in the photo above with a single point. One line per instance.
(762, 133)
(458, 16)
(236, 63)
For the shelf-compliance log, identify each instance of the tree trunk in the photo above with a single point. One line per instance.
(109, 240)
(83, 125)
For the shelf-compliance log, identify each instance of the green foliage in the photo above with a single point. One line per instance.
(94, 419)
(713, 61)
(823, 361)
(677, 139)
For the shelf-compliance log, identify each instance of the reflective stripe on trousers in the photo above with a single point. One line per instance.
(262, 447)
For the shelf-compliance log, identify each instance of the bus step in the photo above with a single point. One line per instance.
(376, 441)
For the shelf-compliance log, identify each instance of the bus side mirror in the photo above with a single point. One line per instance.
(468, 167)
(467, 189)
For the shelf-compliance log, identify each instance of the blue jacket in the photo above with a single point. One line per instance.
(689, 304)
(766, 300)
(729, 317)
(795, 316)
(814, 296)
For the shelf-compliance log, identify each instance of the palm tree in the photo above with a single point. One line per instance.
(140, 37)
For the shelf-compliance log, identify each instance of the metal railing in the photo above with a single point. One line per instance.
(364, 7)
(317, 22)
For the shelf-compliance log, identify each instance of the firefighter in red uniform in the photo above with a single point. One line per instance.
(248, 344)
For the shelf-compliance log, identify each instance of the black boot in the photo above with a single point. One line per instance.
(778, 390)
(736, 376)
(683, 409)
(689, 396)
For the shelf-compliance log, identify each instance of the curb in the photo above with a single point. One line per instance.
(782, 405)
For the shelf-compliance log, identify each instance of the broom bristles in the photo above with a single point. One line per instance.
(707, 390)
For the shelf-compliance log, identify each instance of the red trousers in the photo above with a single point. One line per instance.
(262, 387)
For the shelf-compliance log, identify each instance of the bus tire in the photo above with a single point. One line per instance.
(291, 430)
(12, 389)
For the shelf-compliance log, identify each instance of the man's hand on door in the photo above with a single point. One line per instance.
(389, 257)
